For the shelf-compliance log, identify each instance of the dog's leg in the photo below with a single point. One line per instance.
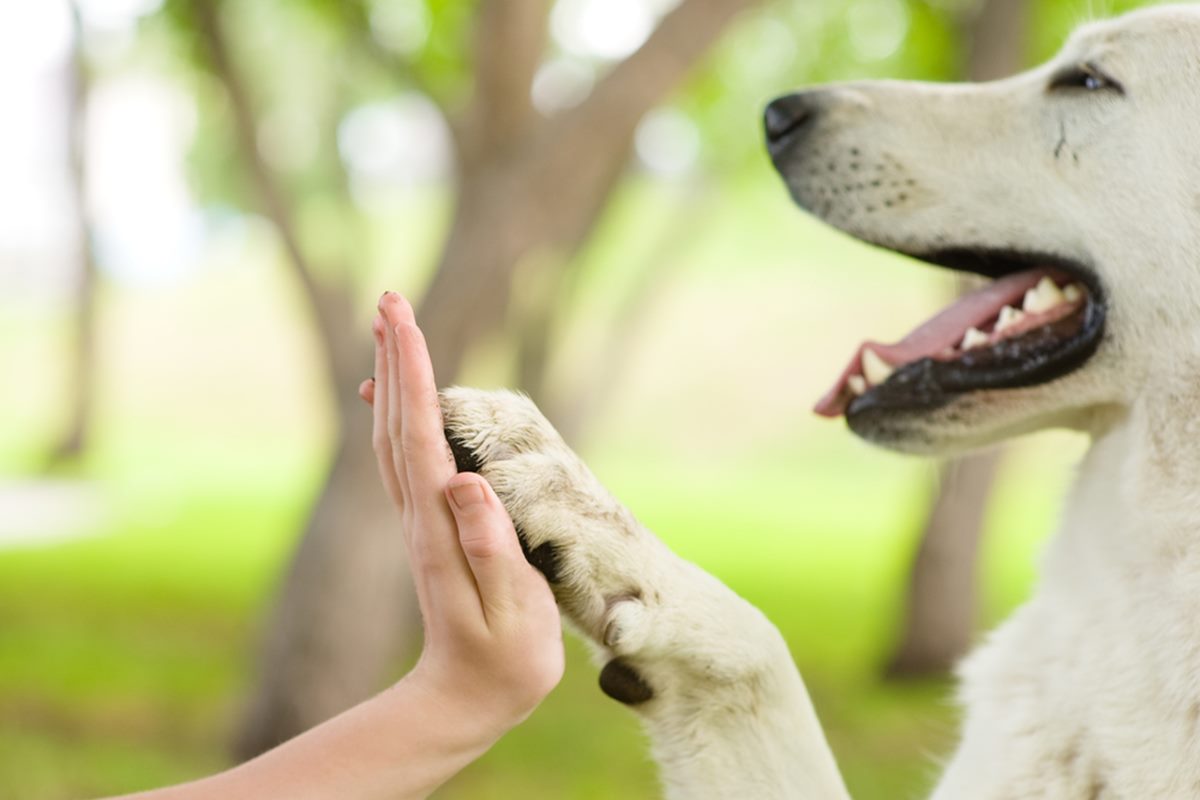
(712, 679)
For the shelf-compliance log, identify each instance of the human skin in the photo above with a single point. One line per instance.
(493, 641)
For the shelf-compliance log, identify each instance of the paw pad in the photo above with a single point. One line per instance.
(624, 684)
(544, 558)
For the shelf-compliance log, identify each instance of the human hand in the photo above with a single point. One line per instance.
(493, 641)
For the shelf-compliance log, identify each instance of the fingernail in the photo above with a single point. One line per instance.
(467, 494)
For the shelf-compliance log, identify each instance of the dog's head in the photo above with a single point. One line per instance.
(1074, 188)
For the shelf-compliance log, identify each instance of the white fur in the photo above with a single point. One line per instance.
(1092, 689)
(730, 717)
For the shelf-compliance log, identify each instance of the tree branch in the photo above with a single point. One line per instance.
(402, 68)
(549, 188)
(644, 79)
(510, 40)
(330, 303)
(358, 20)
(995, 34)
(574, 407)
(82, 358)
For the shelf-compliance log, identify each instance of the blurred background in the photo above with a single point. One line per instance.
(200, 201)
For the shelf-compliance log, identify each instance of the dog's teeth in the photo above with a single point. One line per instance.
(875, 369)
(1043, 297)
(1009, 316)
(858, 385)
(974, 338)
(1073, 293)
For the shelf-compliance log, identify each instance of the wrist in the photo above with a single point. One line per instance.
(477, 716)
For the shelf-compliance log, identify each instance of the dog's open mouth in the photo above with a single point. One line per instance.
(1041, 318)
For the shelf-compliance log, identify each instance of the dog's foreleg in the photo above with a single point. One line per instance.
(730, 715)
(710, 676)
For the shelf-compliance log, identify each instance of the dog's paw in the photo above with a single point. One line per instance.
(661, 623)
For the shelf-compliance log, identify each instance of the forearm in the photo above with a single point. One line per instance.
(401, 744)
(761, 741)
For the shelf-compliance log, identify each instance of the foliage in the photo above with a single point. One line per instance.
(124, 656)
(315, 61)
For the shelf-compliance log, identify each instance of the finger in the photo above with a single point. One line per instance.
(379, 436)
(489, 542)
(396, 311)
(440, 568)
(366, 390)
(427, 455)
(428, 465)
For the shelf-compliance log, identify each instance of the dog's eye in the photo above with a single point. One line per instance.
(1084, 77)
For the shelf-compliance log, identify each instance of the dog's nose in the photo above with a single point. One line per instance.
(787, 115)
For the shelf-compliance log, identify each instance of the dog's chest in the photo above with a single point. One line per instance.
(1093, 688)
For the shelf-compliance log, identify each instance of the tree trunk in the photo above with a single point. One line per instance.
(942, 594)
(82, 359)
(346, 604)
(345, 609)
(345, 613)
(942, 586)
(526, 186)
(508, 213)
(542, 191)
(996, 34)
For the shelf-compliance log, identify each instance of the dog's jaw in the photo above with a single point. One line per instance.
(865, 162)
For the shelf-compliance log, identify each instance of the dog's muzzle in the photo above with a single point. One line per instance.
(788, 118)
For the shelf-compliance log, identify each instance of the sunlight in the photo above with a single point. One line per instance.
(33, 37)
(116, 13)
(605, 29)
(877, 27)
(400, 27)
(668, 142)
(561, 83)
(147, 229)
(399, 142)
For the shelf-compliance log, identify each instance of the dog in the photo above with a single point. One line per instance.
(1075, 189)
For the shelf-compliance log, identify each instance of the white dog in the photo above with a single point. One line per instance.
(1076, 187)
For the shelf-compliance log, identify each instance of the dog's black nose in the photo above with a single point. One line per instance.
(787, 115)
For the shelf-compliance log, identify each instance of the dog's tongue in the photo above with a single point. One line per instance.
(935, 338)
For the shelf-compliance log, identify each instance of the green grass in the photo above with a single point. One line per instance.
(125, 655)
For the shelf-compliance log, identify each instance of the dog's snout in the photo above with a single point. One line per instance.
(789, 115)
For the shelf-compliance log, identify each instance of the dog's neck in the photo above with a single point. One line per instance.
(1134, 509)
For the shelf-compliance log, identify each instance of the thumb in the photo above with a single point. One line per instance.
(487, 536)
